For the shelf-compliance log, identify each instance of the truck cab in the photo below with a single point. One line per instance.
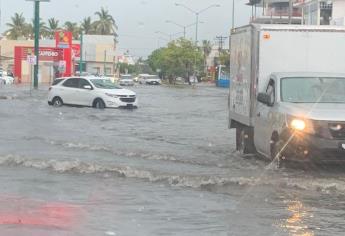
(301, 116)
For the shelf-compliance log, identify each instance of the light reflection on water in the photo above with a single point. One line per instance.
(296, 224)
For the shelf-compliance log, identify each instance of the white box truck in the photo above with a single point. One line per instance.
(287, 93)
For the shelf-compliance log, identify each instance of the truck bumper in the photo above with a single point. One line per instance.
(305, 147)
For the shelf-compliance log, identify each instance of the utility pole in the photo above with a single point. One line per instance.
(290, 11)
(105, 61)
(81, 53)
(37, 37)
(221, 41)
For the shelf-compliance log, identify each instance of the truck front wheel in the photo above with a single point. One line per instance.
(276, 153)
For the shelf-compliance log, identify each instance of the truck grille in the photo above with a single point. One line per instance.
(337, 130)
(131, 99)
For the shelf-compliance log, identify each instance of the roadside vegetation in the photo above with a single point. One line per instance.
(20, 28)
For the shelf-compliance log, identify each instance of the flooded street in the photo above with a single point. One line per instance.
(167, 168)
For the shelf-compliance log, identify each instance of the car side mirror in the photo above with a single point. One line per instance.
(87, 87)
(264, 98)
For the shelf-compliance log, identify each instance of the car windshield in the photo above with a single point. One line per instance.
(313, 90)
(104, 84)
(57, 81)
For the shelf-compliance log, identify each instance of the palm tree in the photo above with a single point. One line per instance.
(105, 25)
(207, 49)
(74, 28)
(30, 29)
(53, 26)
(87, 26)
(17, 27)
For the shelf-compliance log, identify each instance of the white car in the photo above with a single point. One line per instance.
(7, 79)
(150, 80)
(126, 80)
(92, 92)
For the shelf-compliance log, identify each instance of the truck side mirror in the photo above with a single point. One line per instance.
(264, 98)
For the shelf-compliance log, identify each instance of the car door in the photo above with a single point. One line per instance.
(85, 95)
(263, 127)
(68, 91)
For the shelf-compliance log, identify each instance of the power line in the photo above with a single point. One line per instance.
(221, 40)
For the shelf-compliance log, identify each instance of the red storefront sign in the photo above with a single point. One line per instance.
(64, 41)
(75, 51)
(47, 54)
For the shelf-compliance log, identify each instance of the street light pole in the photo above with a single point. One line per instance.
(233, 14)
(197, 13)
(37, 37)
(37, 42)
(184, 27)
(197, 27)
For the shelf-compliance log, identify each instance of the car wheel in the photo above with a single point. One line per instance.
(99, 104)
(57, 102)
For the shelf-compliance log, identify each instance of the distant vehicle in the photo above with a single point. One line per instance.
(7, 79)
(126, 80)
(281, 106)
(149, 79)
(91, 92)
(180, 80)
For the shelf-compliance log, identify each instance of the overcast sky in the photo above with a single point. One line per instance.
(138, 20)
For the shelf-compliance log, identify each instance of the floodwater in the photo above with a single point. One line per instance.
(167, 168)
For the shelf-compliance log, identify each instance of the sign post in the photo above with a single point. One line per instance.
(31, 60)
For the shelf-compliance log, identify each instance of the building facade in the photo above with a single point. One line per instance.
(323, 12)
(99, 54)
(98, 57)
(275, 11)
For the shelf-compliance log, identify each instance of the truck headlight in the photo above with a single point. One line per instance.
(298, 124)
(302, 125)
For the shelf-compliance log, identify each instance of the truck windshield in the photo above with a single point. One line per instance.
(313, 90)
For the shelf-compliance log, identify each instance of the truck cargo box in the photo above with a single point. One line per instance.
(259, 50)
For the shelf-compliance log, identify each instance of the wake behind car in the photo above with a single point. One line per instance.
(94, 92)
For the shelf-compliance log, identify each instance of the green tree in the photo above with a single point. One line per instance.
(207, 49)
(53, 26)
(72, 27)
(17, 27)
(180, 58)
(87, 26)
(105, 25)
(30, 31)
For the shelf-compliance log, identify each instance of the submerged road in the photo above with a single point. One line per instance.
(167, 168)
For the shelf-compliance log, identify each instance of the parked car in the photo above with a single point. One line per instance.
(6, 79)
(126, 80)
(149, 79)
(89, 91)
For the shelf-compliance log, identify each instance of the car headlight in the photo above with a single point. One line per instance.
(301, 124)
(112, 95)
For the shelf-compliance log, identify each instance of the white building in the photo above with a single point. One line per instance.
(323, 12)
(275, 11)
